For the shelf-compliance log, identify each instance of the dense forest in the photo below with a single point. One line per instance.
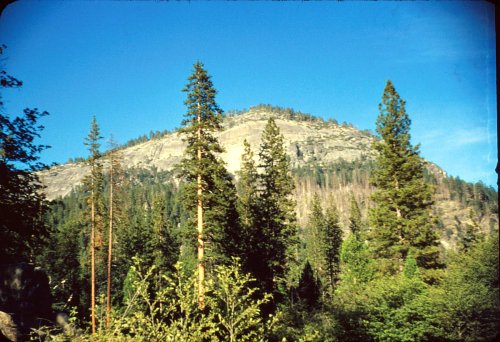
(199, 254)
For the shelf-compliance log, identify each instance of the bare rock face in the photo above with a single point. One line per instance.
(306, 142)
(25, 300)
(8, 328)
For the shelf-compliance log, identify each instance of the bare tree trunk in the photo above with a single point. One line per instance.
(201, 244)
(92, 259)
(110, 241)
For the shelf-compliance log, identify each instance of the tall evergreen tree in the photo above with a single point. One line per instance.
(248, 209)
(277, 208)
(356, 264)
(309, 288)
(355, 220)
(401, 217)
(22, 204)
(164, 245)
(209, 193)
(115, 175)
(333, 243)
(93, 184)
(315, 239)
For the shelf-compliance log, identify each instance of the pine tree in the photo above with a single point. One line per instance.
(93, 184)
(309, 288)
(164, 245)
(115, 175)
(209, 192)
(356, 264)
(355, 220)
(133, 232)
(333, 243)
(277, 208)
(315, 239)
(248, 209)
(401, 217)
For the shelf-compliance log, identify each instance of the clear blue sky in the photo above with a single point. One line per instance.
(126, 62)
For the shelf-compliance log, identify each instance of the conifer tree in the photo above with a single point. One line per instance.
(209, 193)
(115, 175)
(308, 290)
(401, 217)
(356, 264)
(248, 208)
(333, 243)
(355, 220)
(93, 184)
(164, 245)
(277, 208)
(315, 239)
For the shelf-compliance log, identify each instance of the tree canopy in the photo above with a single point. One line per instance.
(401, 217)
(22, 204)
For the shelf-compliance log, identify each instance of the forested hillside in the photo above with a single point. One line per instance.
(327, 158)
(296, 230)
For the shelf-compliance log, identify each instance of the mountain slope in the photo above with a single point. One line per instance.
(329, 159)
(307, 142)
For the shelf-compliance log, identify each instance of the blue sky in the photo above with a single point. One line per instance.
(126, 62)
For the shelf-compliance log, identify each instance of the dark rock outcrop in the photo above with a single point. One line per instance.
(25, 300)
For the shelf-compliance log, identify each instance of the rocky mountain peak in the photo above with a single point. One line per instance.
(309, 140)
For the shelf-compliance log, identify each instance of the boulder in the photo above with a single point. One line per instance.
(25, 300)
(8, 328)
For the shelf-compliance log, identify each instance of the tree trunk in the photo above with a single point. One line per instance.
(110, 242)
(92, 259)
(201, 244)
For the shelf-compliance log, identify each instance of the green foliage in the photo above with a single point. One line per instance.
(308, 290)
(398, 309)
(471, 234)
(323, 241)
(62, 262)
(248, 208)
(338, 173)
(238, 311)
(467, 302)
(129, 285)
(352, 290)
(315, 239)
(356, 225)
(401, 217)
(203, 120)
(22, 205)
(171, 313)
(93, 183)
(139, 200)
(333, 243)
(463, 307)
(387, 308)
(95, 216)
(277, 220)
(410, 268)
(164, 245)
(286, 113)
(483, 198)
(357, 266)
